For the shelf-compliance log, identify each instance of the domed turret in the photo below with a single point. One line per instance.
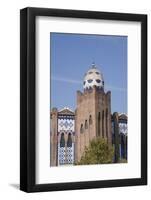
(93, 77)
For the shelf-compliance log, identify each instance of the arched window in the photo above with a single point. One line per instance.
(86, 124)
(98, 80)
(107, 123)
(122, 146)
(90, 80)
(99, 117)
(90, 119)
(81, 128)
(103, 123)
(62, 140)
(69, 141)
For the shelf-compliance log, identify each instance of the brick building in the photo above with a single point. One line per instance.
(72, 131)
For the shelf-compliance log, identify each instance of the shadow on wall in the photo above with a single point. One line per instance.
(15, 185)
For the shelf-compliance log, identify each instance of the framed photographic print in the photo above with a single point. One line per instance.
(83, 99)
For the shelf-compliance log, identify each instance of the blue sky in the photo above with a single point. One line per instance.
(72, 55)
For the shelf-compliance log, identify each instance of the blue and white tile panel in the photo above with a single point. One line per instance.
(70, 154)
(112, 127)
(123, 128)
(61, 155)
(66, 125)
(65, 155)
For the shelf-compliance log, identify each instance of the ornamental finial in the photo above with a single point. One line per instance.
(93, 65)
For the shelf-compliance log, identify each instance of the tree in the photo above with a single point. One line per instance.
(98, 152)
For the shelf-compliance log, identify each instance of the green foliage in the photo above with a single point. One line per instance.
(98, 152)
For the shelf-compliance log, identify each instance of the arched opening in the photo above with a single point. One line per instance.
(61, 152)
(106, 123)
(126, 147)
(86, 124)
(123, 146)
(81, 128)
(69, 155)
(90, 119)
(69, 141)
(62, 140)
(103, 123)
(99, 117)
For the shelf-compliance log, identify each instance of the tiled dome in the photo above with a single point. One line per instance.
(93, 77)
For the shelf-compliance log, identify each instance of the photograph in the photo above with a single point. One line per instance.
(83, 99)
(88, 99)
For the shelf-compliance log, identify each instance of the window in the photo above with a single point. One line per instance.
(90, 119)
(98, 80)
(107, 122)
(81, 128)
(86, 124)
(97, 73)
(84, 82)
(90, 72)
(103, 123)
(99, 117)
(69, 141)
(90, 81)
(62, 140)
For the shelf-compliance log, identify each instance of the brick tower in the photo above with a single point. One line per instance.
(93, 112)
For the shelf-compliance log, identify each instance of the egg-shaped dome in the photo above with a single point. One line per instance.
(93, 77)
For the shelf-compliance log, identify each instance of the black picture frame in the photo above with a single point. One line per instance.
(28, 99)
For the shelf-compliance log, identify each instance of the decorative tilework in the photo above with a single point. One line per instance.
(65, 155)
(61, 155)
(123, 128)
(70, 154)
(112, 127)
(65, 125)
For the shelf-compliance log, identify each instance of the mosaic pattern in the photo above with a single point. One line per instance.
(61, 155)
(70, 155)
(93, 78)
(112, 127)
(65, 155)
(123, 128)
(65, 125)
